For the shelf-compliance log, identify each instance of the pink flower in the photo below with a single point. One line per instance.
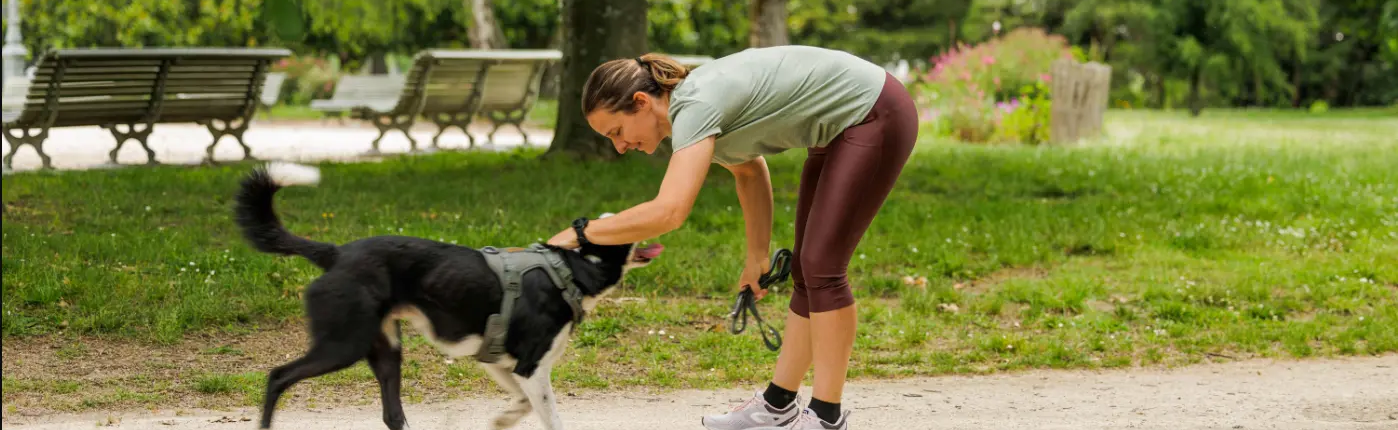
(987, 60)
(1044, 77)
(965, 76)
(997, 82)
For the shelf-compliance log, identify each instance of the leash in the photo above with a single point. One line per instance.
(747, 301)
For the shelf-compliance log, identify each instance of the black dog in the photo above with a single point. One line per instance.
(446, 291)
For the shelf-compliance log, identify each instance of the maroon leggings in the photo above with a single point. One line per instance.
(843, 185)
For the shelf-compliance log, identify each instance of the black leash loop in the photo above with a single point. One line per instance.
(747, 301)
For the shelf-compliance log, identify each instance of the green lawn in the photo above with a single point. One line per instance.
(543, 114)
(1173, 240)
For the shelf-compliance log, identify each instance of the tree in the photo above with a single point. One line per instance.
(485, 32)
(594, 32)
(767, 23)
(1236, 50)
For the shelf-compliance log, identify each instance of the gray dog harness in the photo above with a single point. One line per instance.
(509, 266)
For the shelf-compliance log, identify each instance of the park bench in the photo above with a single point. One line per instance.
(353, 91)
(137, 88)
(451, 87)
(271, 90)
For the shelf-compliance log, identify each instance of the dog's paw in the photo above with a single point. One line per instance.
(511, 416)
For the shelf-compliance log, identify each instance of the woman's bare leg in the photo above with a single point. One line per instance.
(795, 358)
(832, 334)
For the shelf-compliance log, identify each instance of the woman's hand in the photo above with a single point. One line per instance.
(752, 271)
(566, 239)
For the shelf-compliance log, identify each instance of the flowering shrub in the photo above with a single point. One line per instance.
(971, 90)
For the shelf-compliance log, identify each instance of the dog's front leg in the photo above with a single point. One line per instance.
(538, 385)
(519, 402)
(539, 388)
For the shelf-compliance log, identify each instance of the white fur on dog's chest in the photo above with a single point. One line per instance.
(464, 347)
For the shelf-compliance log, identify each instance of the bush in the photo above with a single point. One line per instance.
(1026, 118)
(307, 78)
(971, 90)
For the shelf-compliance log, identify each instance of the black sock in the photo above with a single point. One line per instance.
(828, 412)
(778, 397)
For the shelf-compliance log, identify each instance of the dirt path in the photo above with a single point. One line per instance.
(1359, 393)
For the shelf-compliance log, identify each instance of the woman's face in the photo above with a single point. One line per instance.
(638, 131)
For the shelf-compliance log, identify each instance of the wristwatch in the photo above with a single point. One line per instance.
(578, 226)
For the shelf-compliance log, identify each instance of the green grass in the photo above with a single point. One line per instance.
(543, 115)
(1171, 240)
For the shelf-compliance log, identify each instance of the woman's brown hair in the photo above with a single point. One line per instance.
(612, 84)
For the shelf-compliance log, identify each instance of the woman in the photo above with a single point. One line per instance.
(858, 126)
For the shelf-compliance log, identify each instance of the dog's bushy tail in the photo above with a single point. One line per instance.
(258, 220)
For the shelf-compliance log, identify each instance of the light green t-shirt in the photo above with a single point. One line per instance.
(763, 101)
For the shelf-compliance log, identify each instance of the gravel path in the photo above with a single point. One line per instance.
(1354, 393)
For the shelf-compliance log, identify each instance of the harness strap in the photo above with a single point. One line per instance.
(493, 344)
(563, 279)
(510, 267)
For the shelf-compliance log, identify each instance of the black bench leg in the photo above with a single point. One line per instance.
(514, 117)
(386, 123)
(338, 115)
(445, 121)
(26, 136)
(141, 136)
(234, 127)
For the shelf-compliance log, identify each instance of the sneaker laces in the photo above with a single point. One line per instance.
(744, 404)
(806, 416)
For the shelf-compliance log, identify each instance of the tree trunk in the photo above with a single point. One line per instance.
(595, 31)
(1196, 105)
(484, 32)
(1161, 98)
(767, 23)
(548, 88)
(378, 64)
(1296, 92)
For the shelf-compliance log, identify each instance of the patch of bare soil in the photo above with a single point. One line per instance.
(52, 373)
(985, 283)
(1331, 394)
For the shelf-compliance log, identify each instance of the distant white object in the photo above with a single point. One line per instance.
(900, 70)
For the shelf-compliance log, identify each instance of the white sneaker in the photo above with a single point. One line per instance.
(754, 413)
(808, 420)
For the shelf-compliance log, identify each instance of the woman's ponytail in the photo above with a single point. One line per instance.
(611, 85)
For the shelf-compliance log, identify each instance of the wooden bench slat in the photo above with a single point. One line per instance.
(103, 105)
(492, 54)
(220, 87)
(94, 63)
(203, 76)
(204, 96)
(45, 80)
(198, 104)
(102, 91)
(66, 86)
(247, 68)
(161, 53)
(105, 70)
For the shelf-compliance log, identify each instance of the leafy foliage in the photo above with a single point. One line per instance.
(1164, 53)
(971, 90)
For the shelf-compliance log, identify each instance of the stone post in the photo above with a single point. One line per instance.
(14, 51)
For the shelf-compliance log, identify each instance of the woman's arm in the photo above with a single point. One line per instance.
(754, 185)
(666, 212)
